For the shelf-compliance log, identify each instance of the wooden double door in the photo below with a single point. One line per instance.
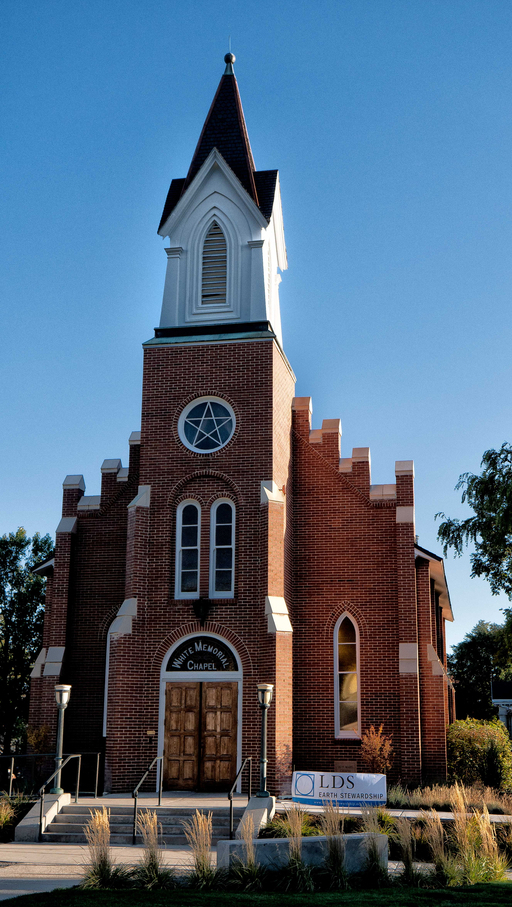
(200, 735)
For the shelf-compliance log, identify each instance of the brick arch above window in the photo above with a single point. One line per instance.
(104, 626)
(353, 611)
(178, 493)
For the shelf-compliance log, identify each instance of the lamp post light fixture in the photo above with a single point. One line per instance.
(62, 694)
(265, 691)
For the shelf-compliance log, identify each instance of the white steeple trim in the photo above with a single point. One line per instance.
(254, 247)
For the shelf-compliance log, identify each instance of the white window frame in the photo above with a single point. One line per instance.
(178, 594)
(353, 735)
(213, 548)
(226, 311)
(183, 417)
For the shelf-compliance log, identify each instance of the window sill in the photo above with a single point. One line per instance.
(352, 738)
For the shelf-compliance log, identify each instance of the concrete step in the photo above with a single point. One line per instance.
(68, 826)
(176, 840)
(160, 810)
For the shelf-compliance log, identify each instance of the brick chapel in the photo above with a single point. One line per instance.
(237, 546)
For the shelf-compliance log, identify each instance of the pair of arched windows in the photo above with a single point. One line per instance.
(222, 550)
(346, 677)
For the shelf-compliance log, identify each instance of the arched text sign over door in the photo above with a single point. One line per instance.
(202, 653)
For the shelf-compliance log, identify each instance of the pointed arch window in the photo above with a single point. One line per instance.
(346, 679)
(188, 537)
(214, 267)
(222, 550)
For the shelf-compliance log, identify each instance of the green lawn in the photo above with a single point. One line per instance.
(492, 894)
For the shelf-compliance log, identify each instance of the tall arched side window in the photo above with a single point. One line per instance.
(214, 267)
(188, 540)
(222, 550)
(346, 678)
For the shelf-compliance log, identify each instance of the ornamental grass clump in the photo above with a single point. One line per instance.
(469, 853)
(404, 837)
(198, 832)
(7, 811)
(475, 843)
(101, 872)
(374, 874)
(297, 875)
(245, 872)
(332, 822)
(445, 864)
(151, 872)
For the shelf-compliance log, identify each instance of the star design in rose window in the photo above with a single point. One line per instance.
(208, 426)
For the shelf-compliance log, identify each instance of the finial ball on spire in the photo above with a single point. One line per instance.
(229, 58)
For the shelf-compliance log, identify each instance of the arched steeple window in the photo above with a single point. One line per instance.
(214, 270)
(346, 671)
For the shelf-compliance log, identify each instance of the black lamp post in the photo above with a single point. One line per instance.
(62, 694)
(265, 691)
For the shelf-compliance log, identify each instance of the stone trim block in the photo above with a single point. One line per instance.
(67, 524)
(404, 467)
(277, 615)
(74, 482)
(89, 502)
(408, 658)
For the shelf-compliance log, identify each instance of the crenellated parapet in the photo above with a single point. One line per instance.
(326, 441)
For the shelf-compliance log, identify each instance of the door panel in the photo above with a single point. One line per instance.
(200, 736)
(219, 722)
(182, 727)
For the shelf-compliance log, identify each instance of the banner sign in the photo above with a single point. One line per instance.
(342, 789)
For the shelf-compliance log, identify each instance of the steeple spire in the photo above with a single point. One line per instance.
(225, 129)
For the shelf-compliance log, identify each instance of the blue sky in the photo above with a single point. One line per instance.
(390, 123)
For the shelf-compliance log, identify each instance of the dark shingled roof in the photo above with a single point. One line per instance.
(225, 129)
(266, 188)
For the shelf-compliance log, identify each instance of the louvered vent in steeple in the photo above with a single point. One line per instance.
(213, 286)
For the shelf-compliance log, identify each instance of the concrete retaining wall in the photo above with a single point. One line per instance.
(274, 853)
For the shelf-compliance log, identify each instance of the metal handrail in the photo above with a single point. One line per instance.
(46, 783)
(13, 756)
(135, 794)
(230, 795)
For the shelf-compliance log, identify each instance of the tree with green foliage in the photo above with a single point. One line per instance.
(489, 530)
(480, 752)
(21, 626)
(482, 656)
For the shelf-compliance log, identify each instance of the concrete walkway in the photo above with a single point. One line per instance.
(31, 868)
(27, 868)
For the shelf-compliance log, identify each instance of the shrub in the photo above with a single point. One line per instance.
(376, 750)
(6, 811)
(279, 827)
(38, 738)
(480, 752)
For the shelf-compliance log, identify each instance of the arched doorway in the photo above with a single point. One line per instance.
(200, 714)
